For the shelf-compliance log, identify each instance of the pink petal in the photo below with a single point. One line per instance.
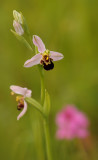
(82, 133)
(28, 93)
(33, 61)
(18, 90)
(18, 28)
(56, 56)
(39, 43)
(69, 134)
(70, 112)
(60, 119)
(64, 134)
(72, 123)
(23, 111)
(60, 134)
(81, 120)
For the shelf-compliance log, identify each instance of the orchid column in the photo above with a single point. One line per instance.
(44, 59)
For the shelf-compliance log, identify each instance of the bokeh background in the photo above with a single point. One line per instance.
(66, 26)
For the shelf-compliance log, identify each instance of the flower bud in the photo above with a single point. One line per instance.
(18, 17)
(18, 28)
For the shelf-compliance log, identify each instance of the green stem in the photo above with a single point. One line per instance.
(47, 138)
(42, 84)
(41, 71)
(45, 120)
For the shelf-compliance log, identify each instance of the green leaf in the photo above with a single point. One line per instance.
(47, 103)
(35, 104)
(22, 39)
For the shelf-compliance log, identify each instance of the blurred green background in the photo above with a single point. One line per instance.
(66, 26)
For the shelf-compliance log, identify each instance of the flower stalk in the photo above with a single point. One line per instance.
(44, 103)
(47, 138)
(42, 84)
(41, 71)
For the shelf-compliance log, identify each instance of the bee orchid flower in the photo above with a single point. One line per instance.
(22, 94)
(44, 57)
